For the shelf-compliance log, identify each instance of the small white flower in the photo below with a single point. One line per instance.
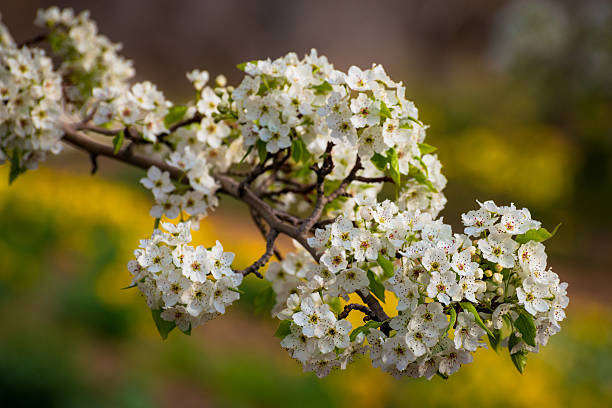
(500, 248)
(156, 181)
(335, 259)
(335, 335)
(220, 262)
(314, 319)
(467, 332)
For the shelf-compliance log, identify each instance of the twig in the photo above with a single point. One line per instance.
(369, 315)
(32, 41)
(254, 268)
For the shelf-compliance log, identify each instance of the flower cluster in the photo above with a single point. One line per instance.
(30, 105)
(290, 101)
(89, 59)
(188, 285)
(452, 289)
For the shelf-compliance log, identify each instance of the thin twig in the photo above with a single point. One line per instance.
(369, 315)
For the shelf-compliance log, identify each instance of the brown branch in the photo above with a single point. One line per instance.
(254, 268)
(34, 40)
(383, 179)
(356, 306)
(379, 314)
(227, 184)
(321, 171)
(230, 187)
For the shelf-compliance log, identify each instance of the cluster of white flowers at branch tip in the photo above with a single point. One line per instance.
(452, 289)
(308, 148)
(186, 285)
(307, 102)
(30, 105)
(89, 60)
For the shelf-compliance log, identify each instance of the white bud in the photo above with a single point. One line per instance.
(221, 80)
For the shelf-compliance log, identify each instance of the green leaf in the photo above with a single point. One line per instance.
(495, 340)
(426, 148)
(329, 186)
(386, 265)
(156, 223)
(164, 327)
(538, 235)
(265, 301)
(376, 286)
(242, 65)
(379, 161)
(335, 304)
(526, 326)
(118, 142)
(249, 150)
(296, 150)
(242, 292)
(520, 360)
(421, 178)
(393, 166)
(174, 114)
(284, 329)
(365, 329)
(453, 319)
(188, 331)
(385, 113)
(261, 150)
(133, 285)
(322, 89)
(468, 307)
(16, 169)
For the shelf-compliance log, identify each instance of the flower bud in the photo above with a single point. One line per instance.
(499, 291)
(488, 273)
(498, 268)
(220, 80)
(498, 278)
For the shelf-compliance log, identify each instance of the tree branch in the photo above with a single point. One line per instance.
(369, 315)
(254, 268)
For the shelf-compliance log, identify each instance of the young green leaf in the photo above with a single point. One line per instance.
(335, 304)
(296, 150)
(526, 326)
(265, 301)
(376, 286)
(323, 88)
(520, 360)
(118, 142)
(188, 331)
(393, 166)
(242, 65)
(379, 161)
(261, 150)
(15, 167)
(174, 114)
(538, 235)
(164, 327)
(386, 265)
(385, 113)
(426, 148)
(421, 178)
(453, 319)
(468, 307)
(284, 329)
(365, 329)
(495, 340)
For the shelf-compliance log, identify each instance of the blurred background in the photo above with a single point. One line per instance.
(518, 95)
